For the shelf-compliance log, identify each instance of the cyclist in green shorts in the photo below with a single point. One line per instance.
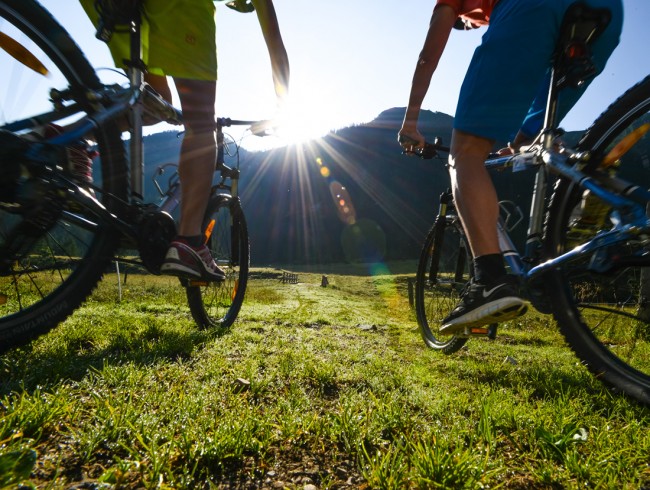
(179, 41)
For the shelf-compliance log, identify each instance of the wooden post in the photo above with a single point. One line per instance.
(119, 284)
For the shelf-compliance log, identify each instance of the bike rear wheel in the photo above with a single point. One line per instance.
(445, 267)
(605, 317)
(217, 304)
(52, 252)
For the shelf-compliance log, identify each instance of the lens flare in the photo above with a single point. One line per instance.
(364, 241)
(343, 202)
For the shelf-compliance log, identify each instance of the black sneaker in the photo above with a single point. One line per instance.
(482, 305)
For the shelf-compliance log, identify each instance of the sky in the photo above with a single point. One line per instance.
(352, 59)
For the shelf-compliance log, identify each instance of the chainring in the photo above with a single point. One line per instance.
(157, 229)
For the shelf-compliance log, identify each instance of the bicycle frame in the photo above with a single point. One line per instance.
(629, 202)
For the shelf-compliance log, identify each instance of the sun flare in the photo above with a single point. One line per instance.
(306, 116)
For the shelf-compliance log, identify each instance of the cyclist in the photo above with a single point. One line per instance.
(179, 41)
(502, 98)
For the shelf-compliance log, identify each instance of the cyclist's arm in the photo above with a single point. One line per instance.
(271, 32)
(442, 21)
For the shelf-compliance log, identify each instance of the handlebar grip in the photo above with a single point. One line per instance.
(257, 128)
(261, 128)
(427, 151)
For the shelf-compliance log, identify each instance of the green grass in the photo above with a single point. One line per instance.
(339, 392)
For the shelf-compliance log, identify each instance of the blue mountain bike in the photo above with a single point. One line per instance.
(60, 232)
(587, 252)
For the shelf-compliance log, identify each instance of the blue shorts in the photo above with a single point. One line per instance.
(506, 84)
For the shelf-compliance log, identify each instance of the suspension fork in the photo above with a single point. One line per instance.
(445, 203)
(234, 203)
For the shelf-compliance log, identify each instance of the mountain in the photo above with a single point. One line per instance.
(349, 196)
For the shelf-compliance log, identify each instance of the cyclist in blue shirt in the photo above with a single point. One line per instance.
(502, 98)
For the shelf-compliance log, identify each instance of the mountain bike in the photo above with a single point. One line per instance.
(59, 233)
(587, 250)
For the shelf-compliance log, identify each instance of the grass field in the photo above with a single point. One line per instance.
(313, 387)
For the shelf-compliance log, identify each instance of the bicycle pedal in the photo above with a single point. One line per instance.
(197, 283)
(489, 331)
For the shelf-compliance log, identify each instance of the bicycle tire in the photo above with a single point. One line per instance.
(444, 268)
(217, 304)
(62, 264)
(605, 317)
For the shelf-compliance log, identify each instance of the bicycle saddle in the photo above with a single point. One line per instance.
(581, 25)
(116, 16)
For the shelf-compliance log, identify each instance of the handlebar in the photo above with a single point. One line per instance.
(426, 152)
(257, 128)
(429, 150)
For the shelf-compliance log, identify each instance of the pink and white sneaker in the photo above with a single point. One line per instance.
(185, 261)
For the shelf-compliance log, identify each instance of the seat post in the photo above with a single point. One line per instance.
(550, 116)
(572, 64)
(135, 68)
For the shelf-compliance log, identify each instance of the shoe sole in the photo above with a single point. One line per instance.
(180, 270)
(500, 310)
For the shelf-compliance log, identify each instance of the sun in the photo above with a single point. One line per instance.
(310, 111)
(306, 115)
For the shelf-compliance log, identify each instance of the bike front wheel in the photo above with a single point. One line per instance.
(217, 304)
(53, 250)
(605, 316)
(445, 267)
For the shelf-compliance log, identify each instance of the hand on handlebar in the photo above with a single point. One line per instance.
(413, 147)
(410, 142)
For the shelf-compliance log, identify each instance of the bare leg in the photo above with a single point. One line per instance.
(160, 85)
(187, 255)
(474, 192)
(198, 151)
(482, 303)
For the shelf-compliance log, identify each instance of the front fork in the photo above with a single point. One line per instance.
(445, 203)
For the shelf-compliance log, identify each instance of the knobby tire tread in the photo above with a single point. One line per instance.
(431, 252)
(598, 358)
(196, 295)
(21, 327)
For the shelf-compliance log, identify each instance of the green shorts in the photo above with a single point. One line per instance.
(178, 38)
